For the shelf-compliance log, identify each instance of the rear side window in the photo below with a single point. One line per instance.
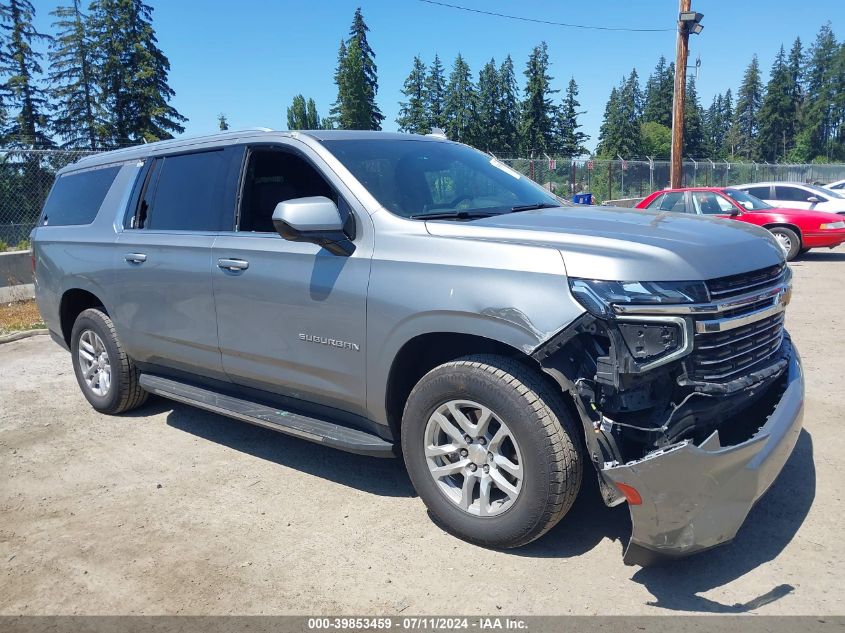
(672, 201)
(764, 193)
(76, 197)
(188, 192)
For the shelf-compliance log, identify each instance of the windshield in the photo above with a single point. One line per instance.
(747, 200)
(416, 178)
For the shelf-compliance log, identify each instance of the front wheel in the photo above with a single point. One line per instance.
(788, 240)
(491, 450)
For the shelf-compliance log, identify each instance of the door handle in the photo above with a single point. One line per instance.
(135, 258)
(232, 265)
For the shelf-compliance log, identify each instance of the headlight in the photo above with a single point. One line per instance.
(833, 225)
(598, 296)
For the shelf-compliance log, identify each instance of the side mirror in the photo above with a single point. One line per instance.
(316, 220)
(813, 199)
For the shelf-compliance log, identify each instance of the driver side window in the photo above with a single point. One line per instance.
(273, 176)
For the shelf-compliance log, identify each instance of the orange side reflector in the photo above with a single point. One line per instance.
(630, 493)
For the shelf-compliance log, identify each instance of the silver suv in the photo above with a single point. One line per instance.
(391, 294)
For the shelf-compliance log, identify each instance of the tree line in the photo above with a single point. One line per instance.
(797, 116)
(107, 81)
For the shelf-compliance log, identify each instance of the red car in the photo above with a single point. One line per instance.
(797, 230)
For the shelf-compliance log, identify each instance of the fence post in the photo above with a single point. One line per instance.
(622, 168)
(727, 169)
(650, 173)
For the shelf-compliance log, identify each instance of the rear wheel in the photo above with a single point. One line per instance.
(491, 450)
(788, 240)
(106, 375)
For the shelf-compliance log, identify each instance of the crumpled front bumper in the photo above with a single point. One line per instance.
(695, 497)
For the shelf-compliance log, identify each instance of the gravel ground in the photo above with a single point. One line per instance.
(173, 510)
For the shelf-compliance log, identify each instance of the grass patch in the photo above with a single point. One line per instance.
(19, 315)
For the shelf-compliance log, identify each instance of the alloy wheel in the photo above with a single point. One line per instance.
(473, 458)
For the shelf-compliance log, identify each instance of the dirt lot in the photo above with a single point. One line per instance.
(173, 510)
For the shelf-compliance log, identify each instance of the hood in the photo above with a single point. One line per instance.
(629, 244)
(803, 214)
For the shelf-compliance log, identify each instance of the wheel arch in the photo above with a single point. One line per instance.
(424, 352)
(74, 301)
(785, 225)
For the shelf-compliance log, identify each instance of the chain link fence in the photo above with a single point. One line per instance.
(27, 175)
(615, 179)
(25, 180)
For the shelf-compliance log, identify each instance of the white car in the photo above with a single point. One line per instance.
(838, 186)
(797, 195)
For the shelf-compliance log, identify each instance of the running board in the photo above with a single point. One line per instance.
(288, 422)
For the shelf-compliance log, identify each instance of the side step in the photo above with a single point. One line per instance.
(296, 424)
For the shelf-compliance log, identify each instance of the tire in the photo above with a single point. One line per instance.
(789, 241)
(542, 439)
(115, 386)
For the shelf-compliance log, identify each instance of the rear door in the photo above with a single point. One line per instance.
(163, 260)
(291, 316)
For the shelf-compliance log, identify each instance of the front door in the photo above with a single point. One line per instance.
(291, 317)
(163, 260)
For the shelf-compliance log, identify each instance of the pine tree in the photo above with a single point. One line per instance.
(570, 142)
(413, 115)
(727, 130)
(78, 116)
(333, 120)
(133, 73)
(356, 111)
(659, 93)
(459, 108)
(820, 116)
(358, 33)
(620, 133)
(20, 64)
(508, 142)
(222, 123)
(435, 92)
(695, 143)
(489, 102)
(312, 118)
(777, 112)
(537, 112)
(746, 121)
(713, 127)
(297, 115)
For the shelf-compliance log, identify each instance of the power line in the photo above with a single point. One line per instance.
(549, 22)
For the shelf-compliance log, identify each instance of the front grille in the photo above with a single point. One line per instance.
(735, 285)
(723, 356)
(729, 354)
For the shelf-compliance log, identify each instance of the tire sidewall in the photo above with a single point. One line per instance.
(794, 240)
(92, 320)
(470, 383)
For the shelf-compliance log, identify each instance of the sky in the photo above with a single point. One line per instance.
(249, 58)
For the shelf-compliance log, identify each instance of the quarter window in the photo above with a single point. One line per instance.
(76, 197)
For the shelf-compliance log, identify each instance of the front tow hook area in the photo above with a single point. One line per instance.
(692, 498)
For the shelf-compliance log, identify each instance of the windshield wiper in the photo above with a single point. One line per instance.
(450, 215)
(536, 205)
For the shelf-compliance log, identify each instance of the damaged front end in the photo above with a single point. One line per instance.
(691, 397)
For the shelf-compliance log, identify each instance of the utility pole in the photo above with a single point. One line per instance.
(688, 20)
(681, 52)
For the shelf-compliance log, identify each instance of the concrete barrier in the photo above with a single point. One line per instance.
(15, 268)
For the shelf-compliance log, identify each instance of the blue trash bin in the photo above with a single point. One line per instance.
(582, 198)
